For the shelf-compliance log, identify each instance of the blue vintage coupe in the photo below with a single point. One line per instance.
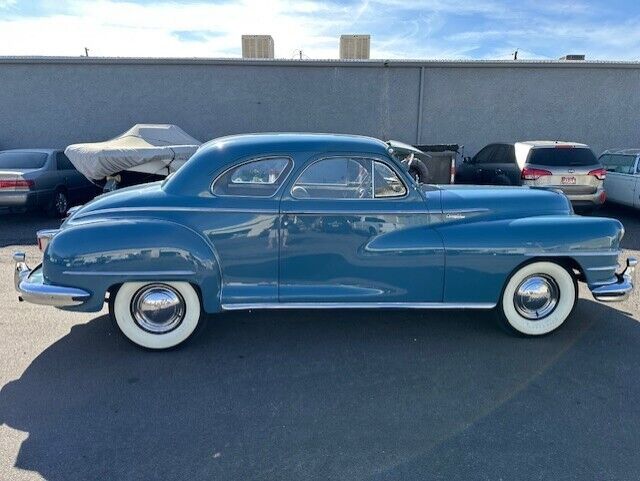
(273, 221)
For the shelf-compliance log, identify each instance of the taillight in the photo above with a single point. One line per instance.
(16, 184)
(599, 174)
(533, 174)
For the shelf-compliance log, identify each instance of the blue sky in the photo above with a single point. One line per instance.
(440, 29)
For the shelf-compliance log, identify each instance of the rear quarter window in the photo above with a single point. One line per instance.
(562, 157)
(255, 178)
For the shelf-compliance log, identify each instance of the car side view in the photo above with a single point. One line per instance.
(41, 178)
(567, 166)
(623, 173)
(312, 221)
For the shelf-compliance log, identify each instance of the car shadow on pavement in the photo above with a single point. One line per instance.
(336, 395)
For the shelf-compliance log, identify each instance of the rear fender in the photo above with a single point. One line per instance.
(96, 256)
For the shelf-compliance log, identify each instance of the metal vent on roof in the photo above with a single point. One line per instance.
(257, 46)
(355, 46)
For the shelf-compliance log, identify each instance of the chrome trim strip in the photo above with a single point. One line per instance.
(176, 209)
(604, 268)
(338, 210)
(358, 305)
(465, 211)
(130, 273)
(572, 253)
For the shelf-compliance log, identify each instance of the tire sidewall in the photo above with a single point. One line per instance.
(121, 312)
(566, 302)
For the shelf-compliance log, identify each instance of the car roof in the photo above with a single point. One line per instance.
(622, 151)
(38, 151)
(551, 143)
(223, 152)
(246, 144)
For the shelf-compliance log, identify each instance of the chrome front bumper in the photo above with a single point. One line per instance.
(31, 287)
(621, 288)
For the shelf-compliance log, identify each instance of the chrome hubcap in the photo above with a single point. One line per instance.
(536, 297)
(158, 308)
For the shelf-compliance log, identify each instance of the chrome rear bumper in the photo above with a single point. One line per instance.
(31, 287)
(621, 288)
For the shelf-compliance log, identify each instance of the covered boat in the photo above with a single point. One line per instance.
(144, 153)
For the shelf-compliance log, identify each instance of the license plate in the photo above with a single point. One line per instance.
(568, 180)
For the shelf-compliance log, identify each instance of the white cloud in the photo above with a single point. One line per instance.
(399, 28)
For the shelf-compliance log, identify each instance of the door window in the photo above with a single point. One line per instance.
(348, 178)
(504, 154)
(257, 178)
(622, 164)
(386, 182)
(485, 155)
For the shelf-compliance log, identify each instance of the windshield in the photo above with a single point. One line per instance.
(557, 157)
(22, 160)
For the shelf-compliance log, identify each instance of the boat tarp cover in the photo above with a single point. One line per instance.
(168, 145)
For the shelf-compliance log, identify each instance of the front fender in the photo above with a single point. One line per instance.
(481, 254)
(100, 254)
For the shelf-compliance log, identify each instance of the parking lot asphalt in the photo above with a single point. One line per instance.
(340, 395)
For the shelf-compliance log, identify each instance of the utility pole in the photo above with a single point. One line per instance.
(86, 52)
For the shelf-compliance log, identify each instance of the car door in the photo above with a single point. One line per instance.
(506, 171)
(620, 183)
(483, 165)
(356, 230)
(495, 168)
(468, 172)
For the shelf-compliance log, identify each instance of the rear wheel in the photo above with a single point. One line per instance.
(59, 204)
(156, 315)
(537, 299)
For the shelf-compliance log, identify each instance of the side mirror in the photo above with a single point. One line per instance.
(467, 160)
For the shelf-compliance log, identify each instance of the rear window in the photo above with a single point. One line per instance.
(562, 157)
(22, 160)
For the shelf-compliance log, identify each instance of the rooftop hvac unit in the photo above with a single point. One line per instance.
(355, 46)
(257, 46)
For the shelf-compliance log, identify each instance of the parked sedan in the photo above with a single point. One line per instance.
(568, 166)
(41, 178)
(623, 173)
(275, 221)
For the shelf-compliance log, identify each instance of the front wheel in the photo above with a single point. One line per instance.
(537, 299)
(156, 315)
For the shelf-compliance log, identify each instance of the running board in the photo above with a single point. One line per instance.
(358, 305)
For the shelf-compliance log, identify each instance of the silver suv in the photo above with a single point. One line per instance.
(568, 166)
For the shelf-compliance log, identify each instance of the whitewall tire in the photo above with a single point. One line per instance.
(538, 298)
(156, 315)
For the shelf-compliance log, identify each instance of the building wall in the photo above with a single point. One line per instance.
(53, 102)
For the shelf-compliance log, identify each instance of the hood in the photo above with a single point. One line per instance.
(498, 201)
